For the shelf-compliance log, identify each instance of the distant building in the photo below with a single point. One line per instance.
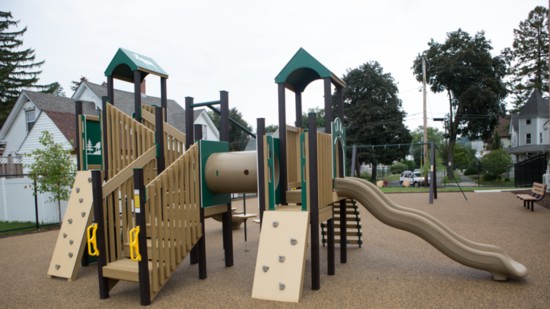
(35, 112)
(529, 133)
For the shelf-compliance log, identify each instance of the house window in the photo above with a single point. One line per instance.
(528, 138)
(527, 121)
(540, 138)
(30, 118)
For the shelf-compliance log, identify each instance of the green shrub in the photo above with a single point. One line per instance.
(398, 168)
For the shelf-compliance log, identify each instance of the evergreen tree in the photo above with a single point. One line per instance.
(527, 60)
(374, 115)
(19, 69)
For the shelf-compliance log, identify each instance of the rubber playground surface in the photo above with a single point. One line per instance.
(393, 268)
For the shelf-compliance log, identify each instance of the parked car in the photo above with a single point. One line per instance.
(415, 178)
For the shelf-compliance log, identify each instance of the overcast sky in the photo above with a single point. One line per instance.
(240, 46)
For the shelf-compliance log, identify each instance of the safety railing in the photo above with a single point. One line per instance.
(324, 168)
(127, 140)
(131, 145)
(174, 140)
(174, 210)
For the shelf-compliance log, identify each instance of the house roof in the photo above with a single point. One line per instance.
(528, 149)
(124, 100)
(68, 128)
(534, 107)
(49, 104)
(53, 103)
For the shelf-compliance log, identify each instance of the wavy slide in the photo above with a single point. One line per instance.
(476, 255)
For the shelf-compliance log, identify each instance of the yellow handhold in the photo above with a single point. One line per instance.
(92, 240)
(134, 245)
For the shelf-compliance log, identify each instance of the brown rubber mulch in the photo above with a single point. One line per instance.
(393, 269)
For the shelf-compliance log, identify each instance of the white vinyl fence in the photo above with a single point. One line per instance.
(18, 203)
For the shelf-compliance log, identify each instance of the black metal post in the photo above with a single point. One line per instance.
(328, 105)
(283, 181)
(143, 264)
(164, 98)
(101, 241)
(137, 95)
(340, 95)
(298, 97)
(434, 170)
(78, 112)
(104, 146)
(36, 203)
(159, 139)
(189, 122)
(260, 133)
(194, 255)
(227, 215)
(314, 203)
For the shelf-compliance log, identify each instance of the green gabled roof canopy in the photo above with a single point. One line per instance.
(302, 69)
(125, 62)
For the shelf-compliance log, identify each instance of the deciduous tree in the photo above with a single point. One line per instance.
(54, 165)
(374, 115)
(472, 78)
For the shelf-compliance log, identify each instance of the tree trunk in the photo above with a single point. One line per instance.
(450, 159)
(374, 170)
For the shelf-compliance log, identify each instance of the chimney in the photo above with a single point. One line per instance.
(142, 88)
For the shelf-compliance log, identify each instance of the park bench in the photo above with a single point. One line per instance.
(537, 193)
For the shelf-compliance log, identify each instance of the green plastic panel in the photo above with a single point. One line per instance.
(91, 143)
(206, 149)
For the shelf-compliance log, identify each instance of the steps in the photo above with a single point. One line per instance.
(353, 224)
(124, 269)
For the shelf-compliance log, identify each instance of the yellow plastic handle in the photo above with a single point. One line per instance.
(92, 240)
(134, 245)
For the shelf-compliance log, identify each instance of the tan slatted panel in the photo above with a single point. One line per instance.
(173, 198)
(324, 168)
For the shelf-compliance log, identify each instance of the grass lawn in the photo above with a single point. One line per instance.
(7, 228)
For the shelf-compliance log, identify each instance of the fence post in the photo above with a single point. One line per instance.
(36, 204)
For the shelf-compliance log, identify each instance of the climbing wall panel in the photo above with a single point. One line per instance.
(280, 264)
(70, 243)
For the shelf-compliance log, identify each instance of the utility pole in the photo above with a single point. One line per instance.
(548, 165)
(425, 113)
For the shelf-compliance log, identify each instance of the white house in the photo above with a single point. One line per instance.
(35, 112)
(529, 129)
(124, 100)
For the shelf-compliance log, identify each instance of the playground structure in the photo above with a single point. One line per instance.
(156, 186)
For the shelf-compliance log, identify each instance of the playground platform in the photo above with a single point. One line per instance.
(393, 269)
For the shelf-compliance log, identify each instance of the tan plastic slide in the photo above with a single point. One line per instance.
(476, 255)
